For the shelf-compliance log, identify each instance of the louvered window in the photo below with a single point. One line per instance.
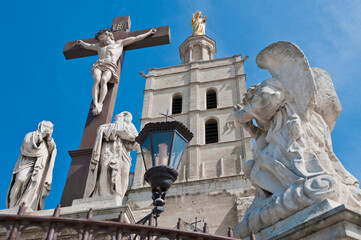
(211, 131)
(211, 99)
(177, 104)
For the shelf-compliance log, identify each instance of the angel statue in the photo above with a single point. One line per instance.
(291, 116)
(198, 24)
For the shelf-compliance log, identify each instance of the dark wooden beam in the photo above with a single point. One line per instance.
(161, 37)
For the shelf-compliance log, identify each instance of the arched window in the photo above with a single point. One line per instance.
(211, 99)
(211, 127)
(177, 104)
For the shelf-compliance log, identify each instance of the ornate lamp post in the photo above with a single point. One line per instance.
(162, 145)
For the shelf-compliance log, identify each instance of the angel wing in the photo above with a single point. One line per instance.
(286, 62)
(327, 103)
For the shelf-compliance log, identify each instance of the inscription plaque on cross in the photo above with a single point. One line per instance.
(76, 181)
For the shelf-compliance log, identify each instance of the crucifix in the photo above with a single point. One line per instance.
(102, 113)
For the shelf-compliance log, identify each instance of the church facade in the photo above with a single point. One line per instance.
(201, 93)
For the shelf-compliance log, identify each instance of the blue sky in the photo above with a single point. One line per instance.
(39, 84)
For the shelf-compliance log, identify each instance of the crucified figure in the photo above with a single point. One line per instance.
(105, 68)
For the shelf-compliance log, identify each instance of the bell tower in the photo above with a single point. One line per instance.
(201, 93)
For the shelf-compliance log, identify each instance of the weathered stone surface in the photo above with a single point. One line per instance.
(321, 221)
(294, 165)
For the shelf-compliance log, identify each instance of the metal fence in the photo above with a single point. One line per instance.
(54, 227)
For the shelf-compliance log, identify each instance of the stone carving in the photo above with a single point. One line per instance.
(294, 165)
(120, 26)
(242, 204)
(33, 172)
(105, 68)
(198, 24)
(110, 162)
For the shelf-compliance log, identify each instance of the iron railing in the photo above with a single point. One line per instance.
(54, 227)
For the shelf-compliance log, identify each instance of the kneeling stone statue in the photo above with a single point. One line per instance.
(293, 163)
(32, 175)
(110, 162)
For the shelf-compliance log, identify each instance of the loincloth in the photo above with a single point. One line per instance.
(106, 65)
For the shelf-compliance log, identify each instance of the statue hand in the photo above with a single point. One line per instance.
(152, 31)
(79, 43)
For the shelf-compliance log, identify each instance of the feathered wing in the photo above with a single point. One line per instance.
(286, 62)
(327, 103)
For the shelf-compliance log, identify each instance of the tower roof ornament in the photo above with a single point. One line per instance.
(198, 24)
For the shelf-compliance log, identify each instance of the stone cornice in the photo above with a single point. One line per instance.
(194, 83)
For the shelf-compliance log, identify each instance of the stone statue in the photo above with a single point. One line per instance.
(110, 162)
(198, 24)
(105, 68)
(33, 172)
(294, 165)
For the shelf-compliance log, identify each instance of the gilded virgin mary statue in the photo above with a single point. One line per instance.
(198, 24)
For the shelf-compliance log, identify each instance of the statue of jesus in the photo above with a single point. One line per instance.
(105, 68)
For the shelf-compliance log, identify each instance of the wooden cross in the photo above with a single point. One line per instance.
(78, 172)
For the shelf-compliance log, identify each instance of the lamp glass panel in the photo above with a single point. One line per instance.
(147, 153)
(177, 151)
(161, 142)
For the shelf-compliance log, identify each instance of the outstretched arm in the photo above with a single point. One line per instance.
(131, 40)
(245, 119)
(204, 19)
(88, 45)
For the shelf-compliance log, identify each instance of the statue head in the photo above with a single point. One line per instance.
(104, 36)
(198, 14)
(46, 128)
(126, 116)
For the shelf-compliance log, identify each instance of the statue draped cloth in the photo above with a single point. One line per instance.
(103, 66)
(110, 162)
(198, 26)
(37, 160)
(283, 154)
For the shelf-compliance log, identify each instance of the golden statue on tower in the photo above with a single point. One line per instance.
(198, 24)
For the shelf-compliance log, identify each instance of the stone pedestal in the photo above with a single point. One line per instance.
(104, 208)
(197, 48)
(323, 220)
(98, 202)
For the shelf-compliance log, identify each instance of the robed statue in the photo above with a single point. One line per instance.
(32, 175)
(291, 116)
(110, 162)
(198, 24)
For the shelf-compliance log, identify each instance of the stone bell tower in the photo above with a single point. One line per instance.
(200, 93)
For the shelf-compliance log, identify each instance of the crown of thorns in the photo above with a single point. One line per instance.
(101, 31)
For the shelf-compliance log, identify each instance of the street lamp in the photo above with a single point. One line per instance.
(162, 145)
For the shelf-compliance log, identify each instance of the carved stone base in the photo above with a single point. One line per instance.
(323, 220)
(98, 202)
